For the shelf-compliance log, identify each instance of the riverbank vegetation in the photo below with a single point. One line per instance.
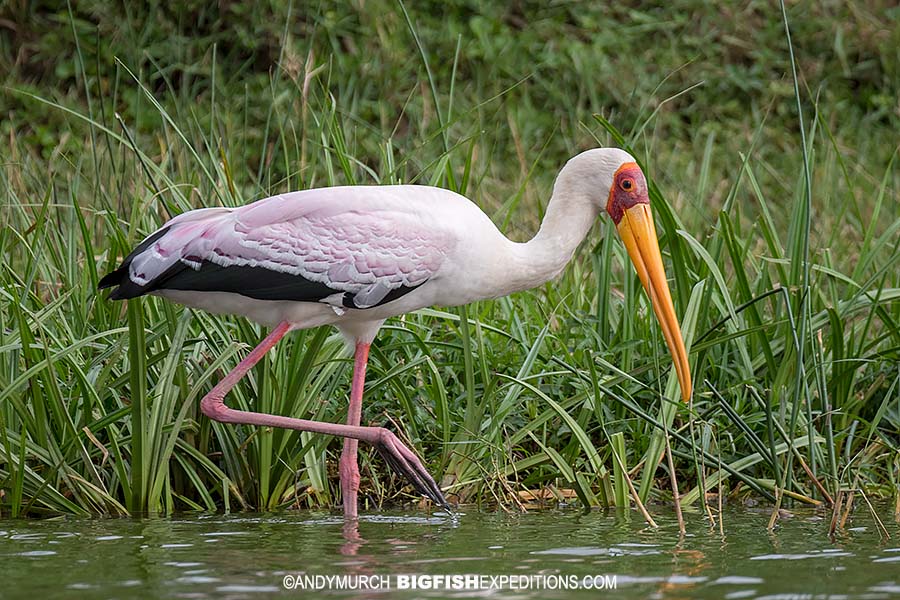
(780, 230)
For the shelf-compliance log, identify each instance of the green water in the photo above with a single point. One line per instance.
(251, 556)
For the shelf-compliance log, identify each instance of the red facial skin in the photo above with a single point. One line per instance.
(629, 188)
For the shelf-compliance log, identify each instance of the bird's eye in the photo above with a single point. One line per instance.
(627, 185)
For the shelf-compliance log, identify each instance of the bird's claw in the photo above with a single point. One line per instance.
(405, 463)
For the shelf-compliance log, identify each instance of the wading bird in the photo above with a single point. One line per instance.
(354, 256)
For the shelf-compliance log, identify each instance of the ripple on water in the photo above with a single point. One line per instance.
(804, 596)
(403, 520)
(231, 520)
(66, 534)
(197, 579)
(736, 580)
(830, 553)
(249, 589)
(685, 579)
(740, 594)
(618, 550)
(636, 545)
(248, 561)
(671, 579)
(434, 519)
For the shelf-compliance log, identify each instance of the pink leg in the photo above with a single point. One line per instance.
(400, 458)
(349, 468)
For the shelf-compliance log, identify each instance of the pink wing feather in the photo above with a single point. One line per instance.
(366, 241)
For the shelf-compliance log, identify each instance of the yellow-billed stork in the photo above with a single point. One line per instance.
(354, 256)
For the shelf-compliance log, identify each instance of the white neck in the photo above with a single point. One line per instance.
(570, 215)
(579, 193)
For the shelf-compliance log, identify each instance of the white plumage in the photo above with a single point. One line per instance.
(366, 241)
(355, 256)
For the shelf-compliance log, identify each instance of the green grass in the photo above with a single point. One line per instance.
(784, 256)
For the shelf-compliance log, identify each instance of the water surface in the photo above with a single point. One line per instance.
(253, 556)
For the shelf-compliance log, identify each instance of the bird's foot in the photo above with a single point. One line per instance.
(404, 462)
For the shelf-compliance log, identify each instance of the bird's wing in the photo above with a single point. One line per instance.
(350, 254)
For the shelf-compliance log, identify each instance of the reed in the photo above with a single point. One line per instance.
(784, 252)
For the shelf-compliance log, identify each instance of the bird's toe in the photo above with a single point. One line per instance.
(405, 463)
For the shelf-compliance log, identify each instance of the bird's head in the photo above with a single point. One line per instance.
(623, 188)
(627, 190)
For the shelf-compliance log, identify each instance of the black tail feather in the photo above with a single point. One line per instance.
(112, 279)
(127, 288)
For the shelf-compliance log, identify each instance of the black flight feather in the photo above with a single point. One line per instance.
(256, 282)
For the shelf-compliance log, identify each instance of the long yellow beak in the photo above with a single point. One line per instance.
(639, 235)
